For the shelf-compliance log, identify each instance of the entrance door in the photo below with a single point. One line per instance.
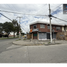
(35, 35)
(48, 35)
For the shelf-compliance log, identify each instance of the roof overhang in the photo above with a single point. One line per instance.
(46, 23)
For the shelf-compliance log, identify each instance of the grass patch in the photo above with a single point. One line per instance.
(7, 38)
(3, 38)
(24, 39)
(18, 39)
(43, 43)
(49, 42)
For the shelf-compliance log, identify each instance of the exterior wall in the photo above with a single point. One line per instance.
(43, 29)
(55, 30)
(46, 28)
(46, 31)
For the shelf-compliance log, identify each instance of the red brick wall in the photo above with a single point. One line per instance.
(46, 28)
(57, 30)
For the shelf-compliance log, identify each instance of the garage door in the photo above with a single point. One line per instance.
(42, 36)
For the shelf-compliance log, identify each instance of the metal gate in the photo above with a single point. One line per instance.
(42, 36)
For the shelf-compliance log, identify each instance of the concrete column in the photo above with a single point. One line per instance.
(37, 35)
(32, 35)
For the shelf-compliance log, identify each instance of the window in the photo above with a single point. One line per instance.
(42, 26)
(35, 26)
(48, 27)
(58, 28)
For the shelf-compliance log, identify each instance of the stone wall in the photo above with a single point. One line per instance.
(61, 35)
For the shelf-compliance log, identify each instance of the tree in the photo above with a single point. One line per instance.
(16, 27)
(1, 27)
(8, 27)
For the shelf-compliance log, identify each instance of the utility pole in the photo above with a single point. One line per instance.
(19, 27)
(50, 24)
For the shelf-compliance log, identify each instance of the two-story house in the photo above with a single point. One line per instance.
(41, 30)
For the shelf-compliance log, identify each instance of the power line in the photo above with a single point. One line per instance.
(23, 28)
(6, 16)
(9, 7)
(59, 19)
(21, 13)
(14, 7)
(2, 6)
(42, 9)
(55, 8)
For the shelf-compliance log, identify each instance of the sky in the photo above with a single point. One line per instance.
(32, 10)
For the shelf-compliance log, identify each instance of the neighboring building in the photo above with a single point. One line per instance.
(12, 34)
(41, 30)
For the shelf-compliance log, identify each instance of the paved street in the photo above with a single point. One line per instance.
(5, 44)
(10, 53)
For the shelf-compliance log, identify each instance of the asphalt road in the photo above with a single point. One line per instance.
(5, 44)
(10, 53)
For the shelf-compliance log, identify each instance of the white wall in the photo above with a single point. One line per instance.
(12, 33)
(62, 28)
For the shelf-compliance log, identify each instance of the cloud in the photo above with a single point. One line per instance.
(42, 9)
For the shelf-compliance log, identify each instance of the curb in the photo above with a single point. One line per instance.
(33, 44)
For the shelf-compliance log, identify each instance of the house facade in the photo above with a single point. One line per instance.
(41, 30)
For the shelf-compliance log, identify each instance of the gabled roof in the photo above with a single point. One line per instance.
(46, 23)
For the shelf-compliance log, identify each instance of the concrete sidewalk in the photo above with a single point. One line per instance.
(37, 42)
(28, 43)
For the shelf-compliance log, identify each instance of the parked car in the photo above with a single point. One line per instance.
(5, 35)
(0, 35)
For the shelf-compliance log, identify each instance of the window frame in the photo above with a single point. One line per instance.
(48, 27)
(54, 26)
(42, 26)
(58, 28)
(34, 25)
